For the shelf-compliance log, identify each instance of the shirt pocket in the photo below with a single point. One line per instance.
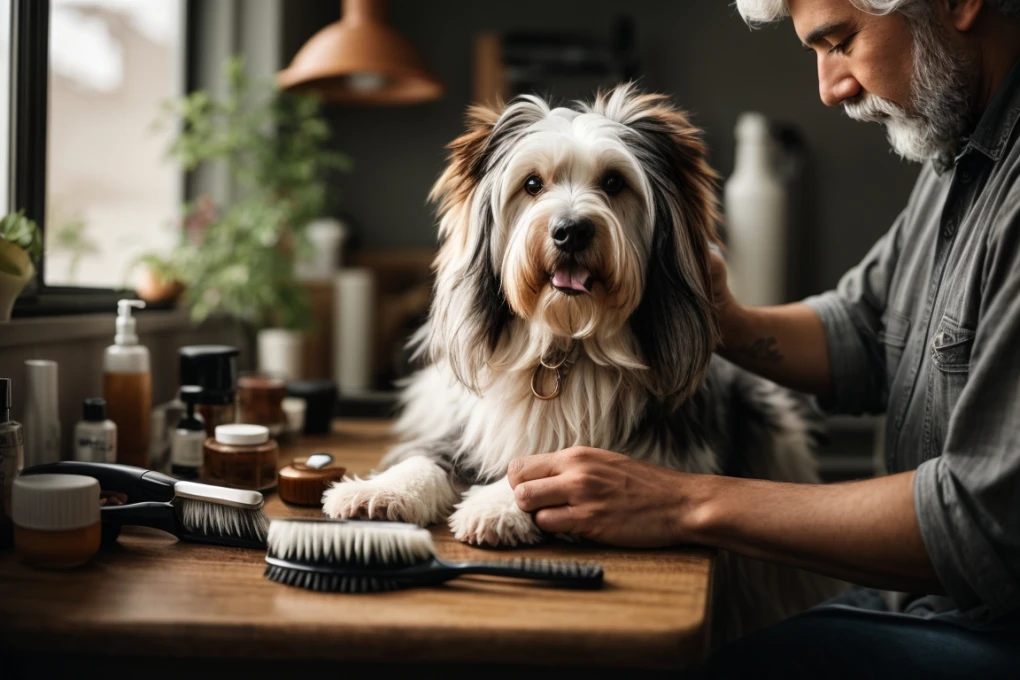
(893, 338)
(950, 351)
(951, 346)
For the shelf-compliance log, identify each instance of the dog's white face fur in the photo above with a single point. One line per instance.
(624, 178)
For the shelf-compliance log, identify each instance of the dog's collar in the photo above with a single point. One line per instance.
(559, 364)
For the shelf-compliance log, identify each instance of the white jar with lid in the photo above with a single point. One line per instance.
(56, 519)
(242, 457)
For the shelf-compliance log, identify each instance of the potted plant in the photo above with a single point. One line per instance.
(20, 249)
(238, 259)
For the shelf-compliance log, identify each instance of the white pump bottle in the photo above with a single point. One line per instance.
(127, 388)
(756, 218)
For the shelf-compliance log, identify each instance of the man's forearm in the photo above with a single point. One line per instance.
(785, 344)
(864, 532)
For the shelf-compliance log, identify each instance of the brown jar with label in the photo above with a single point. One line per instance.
(242, 457)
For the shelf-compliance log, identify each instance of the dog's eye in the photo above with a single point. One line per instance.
(612, 183)
(533, 185)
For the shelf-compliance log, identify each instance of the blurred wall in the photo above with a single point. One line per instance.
(698, 51)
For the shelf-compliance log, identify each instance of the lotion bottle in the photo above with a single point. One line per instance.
(127, 388)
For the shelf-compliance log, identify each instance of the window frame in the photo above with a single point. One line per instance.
(29, 120)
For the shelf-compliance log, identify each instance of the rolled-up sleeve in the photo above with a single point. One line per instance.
(968, 499)
(852, 317)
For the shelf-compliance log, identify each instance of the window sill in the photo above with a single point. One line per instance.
(47, 329)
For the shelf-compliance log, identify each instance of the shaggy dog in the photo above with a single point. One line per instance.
(572, 306)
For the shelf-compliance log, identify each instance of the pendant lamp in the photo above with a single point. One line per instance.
(361, 60)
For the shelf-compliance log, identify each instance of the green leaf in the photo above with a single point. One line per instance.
(22, 232)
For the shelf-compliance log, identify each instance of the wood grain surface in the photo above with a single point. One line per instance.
(152, 596)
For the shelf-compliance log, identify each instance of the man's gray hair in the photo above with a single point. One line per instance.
(764, 11)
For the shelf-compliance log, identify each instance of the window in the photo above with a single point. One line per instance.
(86, 81)
(110, 195)
(5, 102)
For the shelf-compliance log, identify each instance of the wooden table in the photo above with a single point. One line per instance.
(151, 596)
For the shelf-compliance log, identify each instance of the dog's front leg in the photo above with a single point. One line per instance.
(488, 515)
(417, 490)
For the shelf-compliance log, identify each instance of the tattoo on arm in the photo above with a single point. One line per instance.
(762, 349)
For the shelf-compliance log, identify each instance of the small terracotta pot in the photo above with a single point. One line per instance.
(152, 288)
(16, 270)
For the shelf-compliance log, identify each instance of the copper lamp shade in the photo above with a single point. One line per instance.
(361, 60)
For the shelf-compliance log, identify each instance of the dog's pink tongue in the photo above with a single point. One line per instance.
(575, 278)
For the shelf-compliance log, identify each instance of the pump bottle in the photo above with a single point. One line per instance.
(127, 388)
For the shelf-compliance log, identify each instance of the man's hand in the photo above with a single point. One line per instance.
(602, 496)
(865, 532)
(729, 312)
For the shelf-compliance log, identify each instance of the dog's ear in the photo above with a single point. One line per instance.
(468, 312)
(675, 322)
(453, 191)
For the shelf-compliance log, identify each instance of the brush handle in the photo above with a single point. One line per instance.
(138, 484)
(560, 572)
(160, 516)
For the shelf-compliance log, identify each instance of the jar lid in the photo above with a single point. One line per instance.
(55, 502)
(242, 435)
(312, 388)
(305, 480)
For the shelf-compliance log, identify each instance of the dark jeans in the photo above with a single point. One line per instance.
(865, 641)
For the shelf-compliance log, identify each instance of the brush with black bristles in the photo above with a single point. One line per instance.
(353, 556)
(190, 511)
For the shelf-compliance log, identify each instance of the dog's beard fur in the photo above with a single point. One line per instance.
(648, 311)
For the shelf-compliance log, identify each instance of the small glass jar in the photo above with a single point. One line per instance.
(242, 457)
(56, 520)
(260, 400)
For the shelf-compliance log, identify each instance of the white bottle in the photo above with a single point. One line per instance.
(756, 220)
(42, 419)
(95, 436)
(127, 387)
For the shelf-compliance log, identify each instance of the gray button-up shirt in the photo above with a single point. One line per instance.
(926, 329)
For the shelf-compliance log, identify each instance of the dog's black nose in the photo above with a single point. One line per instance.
(572, 234)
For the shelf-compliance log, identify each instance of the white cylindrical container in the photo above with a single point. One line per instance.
(95, 435)
(279, 352)
(42, 419)
(756, 219)
(326, 237)
(353, 318)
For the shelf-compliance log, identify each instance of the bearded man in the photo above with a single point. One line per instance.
(926, 329)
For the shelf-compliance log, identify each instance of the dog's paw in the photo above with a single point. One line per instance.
(415, 490)
(365, 499)
(488, 515)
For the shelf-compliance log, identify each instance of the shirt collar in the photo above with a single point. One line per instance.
(997, 122)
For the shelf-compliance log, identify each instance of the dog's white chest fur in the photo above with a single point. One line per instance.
(596, 408)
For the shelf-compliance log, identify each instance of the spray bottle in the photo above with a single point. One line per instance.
(127, 388)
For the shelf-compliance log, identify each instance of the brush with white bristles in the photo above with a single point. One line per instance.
(190, 511)
(355, 556)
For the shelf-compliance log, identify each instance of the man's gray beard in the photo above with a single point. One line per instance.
(941, 86)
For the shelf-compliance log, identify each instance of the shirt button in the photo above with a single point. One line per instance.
(966, 177)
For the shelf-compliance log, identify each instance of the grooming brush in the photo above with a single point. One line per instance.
(192, 512)
(352, 556)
